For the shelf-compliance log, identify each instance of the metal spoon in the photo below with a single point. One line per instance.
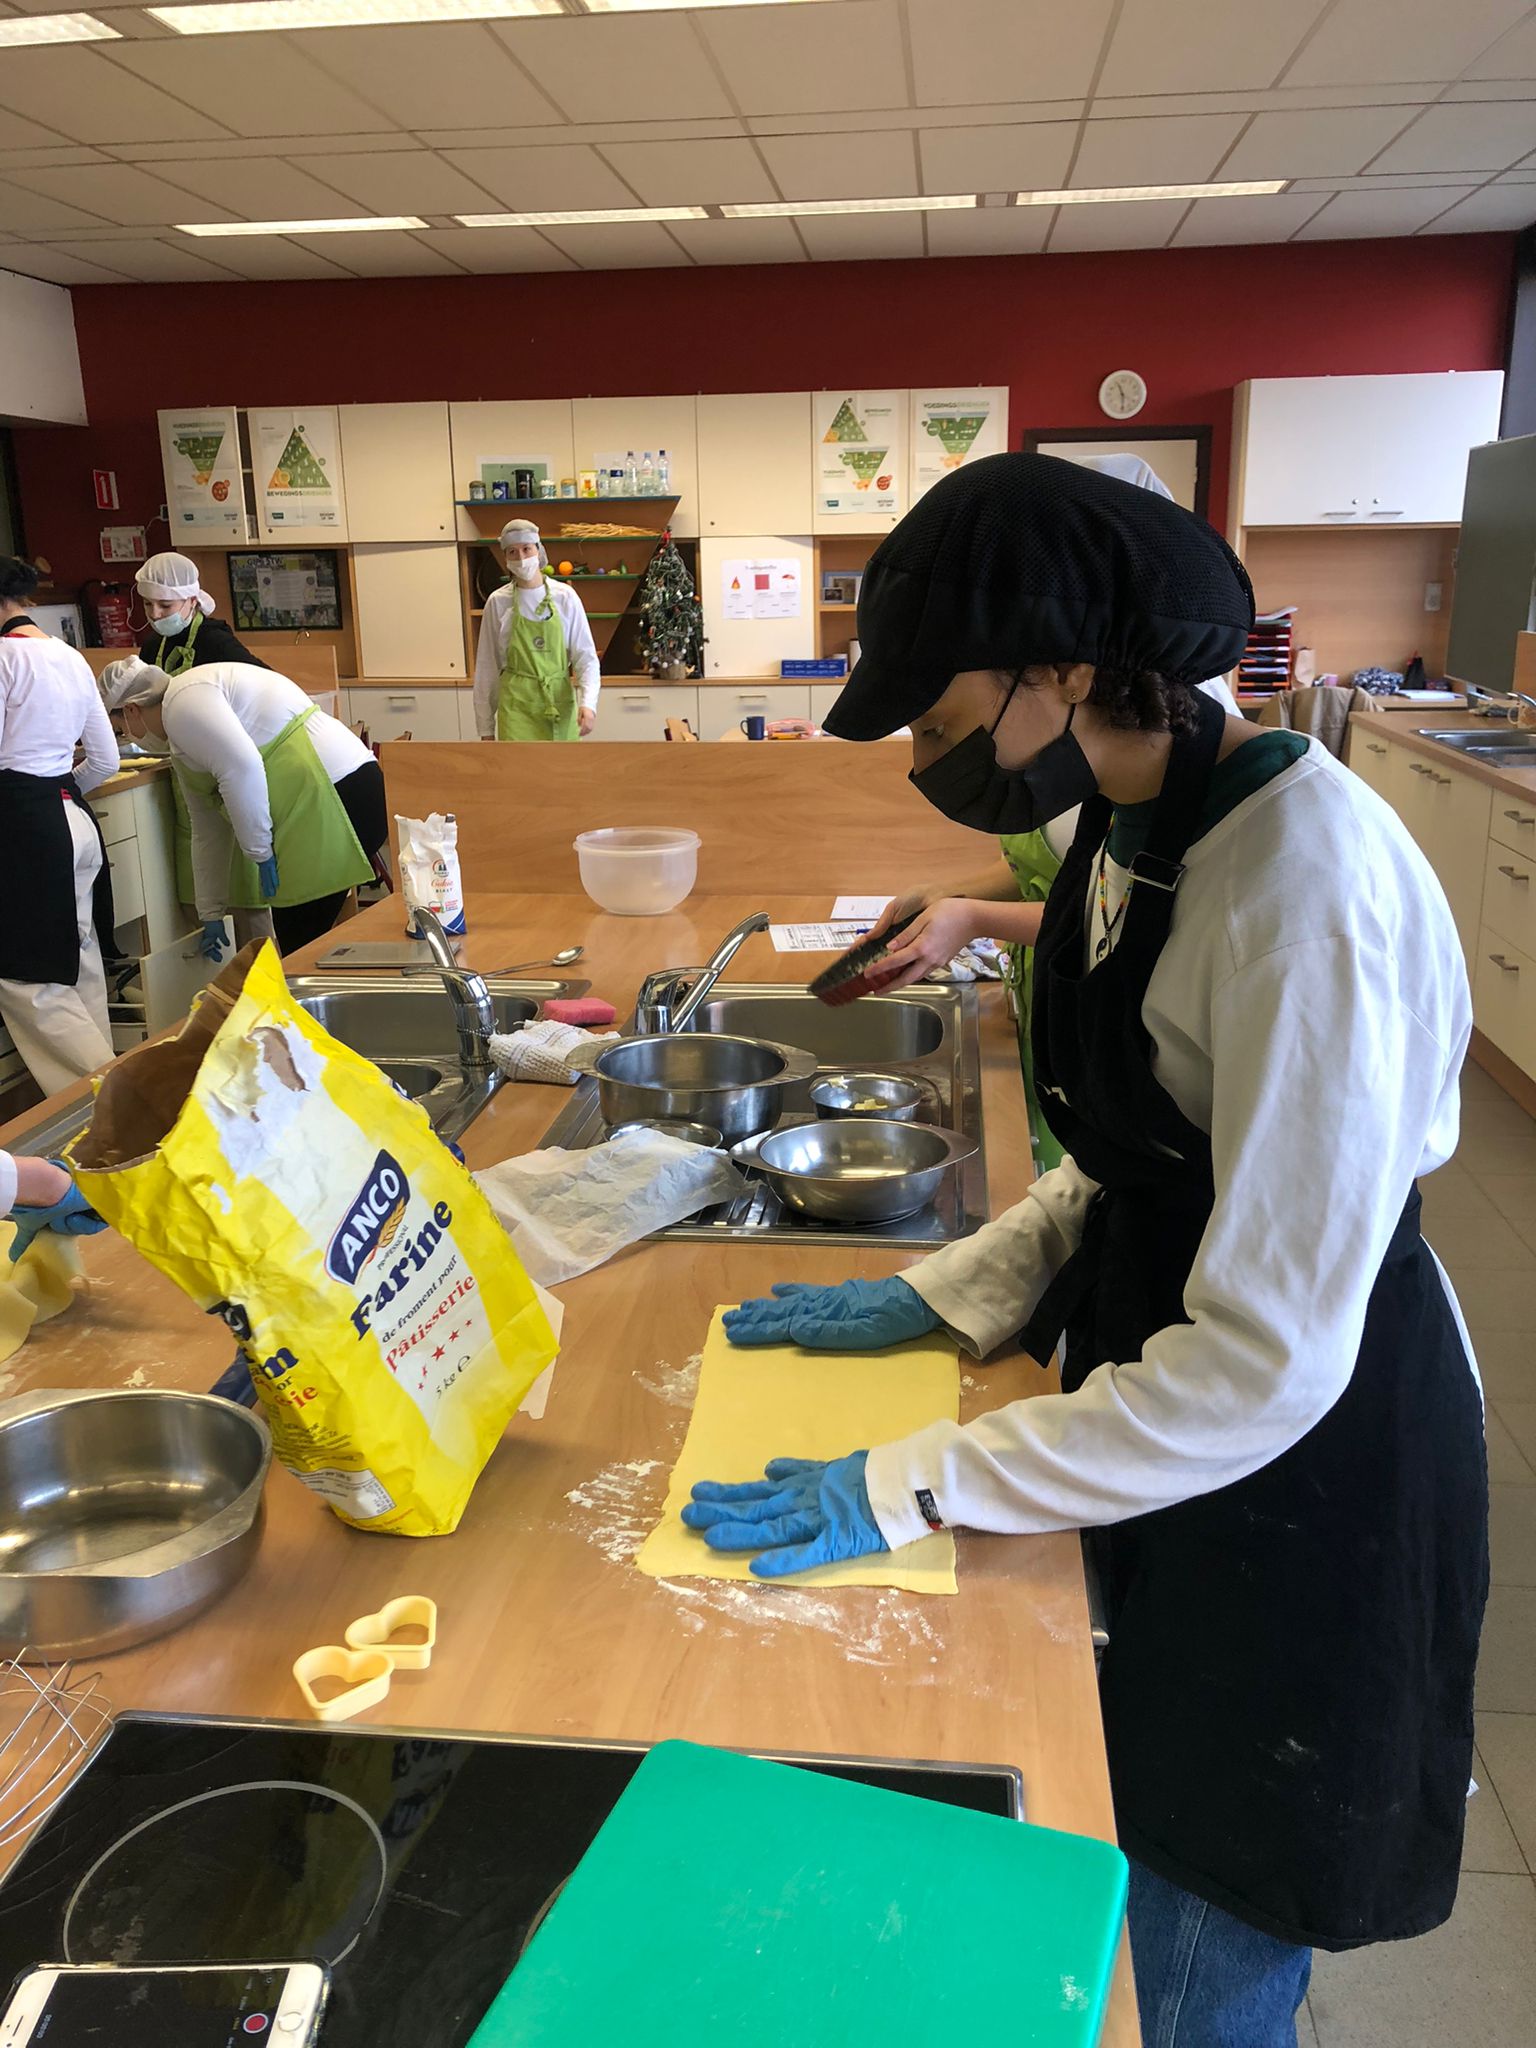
(564, 958)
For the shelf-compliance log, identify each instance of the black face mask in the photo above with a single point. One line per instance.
(967, 784)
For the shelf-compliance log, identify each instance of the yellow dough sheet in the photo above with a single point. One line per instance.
(38, 1285)
(781, 1402)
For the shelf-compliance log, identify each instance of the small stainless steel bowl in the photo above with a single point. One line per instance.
(122, 1515)
(853, 1169)
(896, 1100)
(670, 1127)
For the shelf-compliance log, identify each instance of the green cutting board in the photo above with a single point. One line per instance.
(728, 1901)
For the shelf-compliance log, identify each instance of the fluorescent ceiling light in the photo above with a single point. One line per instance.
(1111, 194)
(56, 28)
(367, 225)
(656, 6)
(247, 17)
(591, 218)
(769, 209)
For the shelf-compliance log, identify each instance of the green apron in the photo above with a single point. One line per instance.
(175, 661)
(536, 700)
(1034, 869)
(317, 851)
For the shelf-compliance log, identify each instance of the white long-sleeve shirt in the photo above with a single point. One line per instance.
(1310, 1011)
(7, 1183)
(217, 718)
(48, 703)
(496, 629)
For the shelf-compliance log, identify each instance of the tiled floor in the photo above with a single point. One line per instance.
(1474, 1980)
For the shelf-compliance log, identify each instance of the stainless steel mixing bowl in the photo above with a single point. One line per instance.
(855, 1170)
(897, 1099)
(672, 1127)
(735, 1085)
(122, 1515)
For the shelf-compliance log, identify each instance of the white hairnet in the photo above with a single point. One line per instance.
(132, 681)
(518, 531)
(1131, 470)
(170, 577)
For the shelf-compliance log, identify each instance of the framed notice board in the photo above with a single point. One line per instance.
(295, 591)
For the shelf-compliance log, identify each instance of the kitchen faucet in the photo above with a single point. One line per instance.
(658, 992)
(471, 999)
(1495, 703)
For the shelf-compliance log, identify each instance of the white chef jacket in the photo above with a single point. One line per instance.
(217, 717)
(48, 701)
(495, 630)
(1309, 1010)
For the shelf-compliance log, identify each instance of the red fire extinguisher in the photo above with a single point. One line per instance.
(109, 607)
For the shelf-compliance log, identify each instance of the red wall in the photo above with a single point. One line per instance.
(1193, 321)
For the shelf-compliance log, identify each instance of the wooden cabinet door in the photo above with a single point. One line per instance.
(1380, 763)
(1303, 456)
(410, 620)
(508, 430)
(614, 426)
(399, 469)
(1422, 430)
(1448, 816)
(1504, 997)
(722, 708)
(642, 714)
(755, 468)
(392, 714)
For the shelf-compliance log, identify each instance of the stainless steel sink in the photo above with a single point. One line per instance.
(929, 1034)
(1492, 739)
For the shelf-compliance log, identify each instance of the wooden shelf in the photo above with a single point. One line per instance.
(837, 607)
(639, 498)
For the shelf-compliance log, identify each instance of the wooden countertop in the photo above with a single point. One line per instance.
(1516, 782)
(545, 1628)
(133, 774)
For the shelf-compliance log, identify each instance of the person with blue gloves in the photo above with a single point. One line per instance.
(1250, 1010)
(38, 1195)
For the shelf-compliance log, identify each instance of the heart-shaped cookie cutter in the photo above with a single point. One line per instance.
(366, 1672)
(407, 1610)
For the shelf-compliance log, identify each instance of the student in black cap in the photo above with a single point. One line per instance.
(1250, 1013)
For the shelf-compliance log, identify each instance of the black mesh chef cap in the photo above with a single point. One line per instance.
(1019, 559)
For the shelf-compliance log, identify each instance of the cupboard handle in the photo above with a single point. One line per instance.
(1502, 964)
(1380, 511)
(1514, 874)
(1419, 768)
(1348, 511)
(1372, 748)
(634, 696)
(1520, 818)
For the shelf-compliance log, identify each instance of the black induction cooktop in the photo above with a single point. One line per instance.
(416, 1866)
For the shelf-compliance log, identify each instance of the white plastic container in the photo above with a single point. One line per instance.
(637, 870)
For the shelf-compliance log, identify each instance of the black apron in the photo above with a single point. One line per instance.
(1287, 1688)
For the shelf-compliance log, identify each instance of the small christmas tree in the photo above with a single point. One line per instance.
(671, 617)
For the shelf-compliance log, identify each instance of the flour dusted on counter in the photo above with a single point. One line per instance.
(429, 870)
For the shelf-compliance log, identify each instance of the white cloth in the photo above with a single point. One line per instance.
(1310, 1011)
(495, 630)
(62, 1032)
(1130, 469)
(48, 702)
(172, 578)
(542, 1051)
(217, 718)
(7, 1183)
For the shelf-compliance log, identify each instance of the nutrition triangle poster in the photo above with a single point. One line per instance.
(861, 455)
(200, 454)
(954, 427)
(296, 462)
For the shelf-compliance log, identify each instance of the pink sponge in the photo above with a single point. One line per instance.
(578, 1010)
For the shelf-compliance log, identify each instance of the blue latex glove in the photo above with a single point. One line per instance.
(72, 1216)
(858, 1315)
(267, 870)
(212, 942)
(802, 1513)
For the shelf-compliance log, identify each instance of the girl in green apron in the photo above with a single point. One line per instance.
(536, 672)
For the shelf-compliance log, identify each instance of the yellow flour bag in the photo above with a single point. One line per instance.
(285, 1185)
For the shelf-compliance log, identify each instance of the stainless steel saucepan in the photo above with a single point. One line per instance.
(735, 1085)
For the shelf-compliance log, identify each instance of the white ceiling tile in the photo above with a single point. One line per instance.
(1387, 181)
(15, 133)
(609, 69)
(1464, 138)
(1133, 224)
(1153, 152)
(1381, 40)
(875, 164)
(1213, 223)
(962, 50)
(832, 237)
(1495, 207)
(989, 231)
(1402, 210)
(256, 85)
(497, 250)
(151, 262)
(88, 99)
(382, 254)
(273, 256)
(1015, 158)
(400, 181)
(36, 261)
(233, 148)
(1211, 46)
(691, 173)
(740, 241)
(254, 188)
(120, 193)
(456, 76)
(1331, 141)
(851, 121)
(24, 212)
(843, 53)
(1513, 56)
(637, 245)
(554, 177)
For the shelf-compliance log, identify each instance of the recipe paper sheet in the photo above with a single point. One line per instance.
(777, 1401)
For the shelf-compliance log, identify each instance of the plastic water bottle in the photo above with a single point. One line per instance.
(663, 475)
(631, 475)
(647, 475)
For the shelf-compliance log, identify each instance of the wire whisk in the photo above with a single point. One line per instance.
(51, 1722)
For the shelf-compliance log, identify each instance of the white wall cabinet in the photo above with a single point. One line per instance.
(614, 426)
(755, 647)
(508, 430)
(642, 714)
(1358, 451)
(391, 714)
(410, 618)
(399, 471)
(756, 474)
(722, 708)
